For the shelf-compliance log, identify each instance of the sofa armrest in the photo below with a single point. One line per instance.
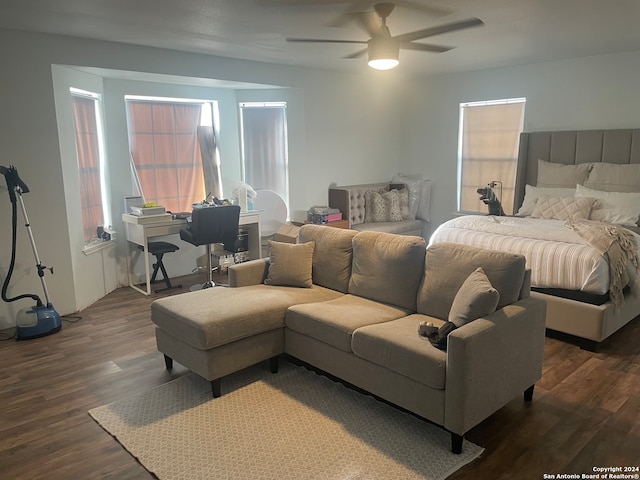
(252, 272)
(492, 360)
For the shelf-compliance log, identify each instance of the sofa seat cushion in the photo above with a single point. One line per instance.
(215, 316)
(334, 321)
(397, 346)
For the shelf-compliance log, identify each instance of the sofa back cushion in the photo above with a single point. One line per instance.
(387, 268)
(332, 255)
(447, 266)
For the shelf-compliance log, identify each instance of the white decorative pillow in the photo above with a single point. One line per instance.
(622, 208)
(391, 206)
(563, 208)
(414, 184)
(614, 177)
(425, 200)
(531, 195)
(560, 175)
(404, 212)
(375, 208)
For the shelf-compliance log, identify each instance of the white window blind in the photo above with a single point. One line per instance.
(488, 151)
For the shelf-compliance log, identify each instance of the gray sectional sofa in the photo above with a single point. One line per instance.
(354, 313)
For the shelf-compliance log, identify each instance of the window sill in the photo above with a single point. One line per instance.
(97, 246)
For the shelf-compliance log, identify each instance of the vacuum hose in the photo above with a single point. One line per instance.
(13, 182)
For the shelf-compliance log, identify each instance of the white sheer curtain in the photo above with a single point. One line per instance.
(488, 151)
(264, 142)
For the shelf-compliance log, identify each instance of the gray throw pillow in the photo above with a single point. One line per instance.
(290, 264)
(476, 298)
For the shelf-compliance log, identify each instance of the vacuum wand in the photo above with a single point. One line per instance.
(41, 268)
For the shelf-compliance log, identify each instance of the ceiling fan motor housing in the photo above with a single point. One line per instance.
(383, 52)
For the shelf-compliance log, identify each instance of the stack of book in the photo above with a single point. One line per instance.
(142, 211)
(322, 215)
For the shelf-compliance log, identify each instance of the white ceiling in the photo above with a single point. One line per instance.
(515, 31)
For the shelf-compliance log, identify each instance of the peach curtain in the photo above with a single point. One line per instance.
(88, 155)
(164, 146)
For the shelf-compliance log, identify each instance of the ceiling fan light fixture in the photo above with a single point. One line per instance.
(383, 53)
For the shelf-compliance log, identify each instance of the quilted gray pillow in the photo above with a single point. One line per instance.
(563, 208)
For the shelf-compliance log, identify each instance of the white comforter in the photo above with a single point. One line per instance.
(557, 256)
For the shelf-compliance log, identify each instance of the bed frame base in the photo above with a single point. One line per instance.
(583, 343)
(588, 324)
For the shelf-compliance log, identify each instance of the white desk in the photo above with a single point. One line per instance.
(139, 233)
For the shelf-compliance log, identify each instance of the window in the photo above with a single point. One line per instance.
(174, 153)
(264, 147)
(89, 152)
(488, 142)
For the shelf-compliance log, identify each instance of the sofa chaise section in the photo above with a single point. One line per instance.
(218, 331)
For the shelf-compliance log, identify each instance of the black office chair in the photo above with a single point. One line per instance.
(212, 225)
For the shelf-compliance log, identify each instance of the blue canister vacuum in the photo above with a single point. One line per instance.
(41, 319)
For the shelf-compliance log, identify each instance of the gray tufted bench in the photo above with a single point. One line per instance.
(350, 200)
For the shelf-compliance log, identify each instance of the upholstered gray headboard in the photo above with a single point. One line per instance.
(572, 147)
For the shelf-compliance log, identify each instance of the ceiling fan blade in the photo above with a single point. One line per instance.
(321, 40)
(430, 32)
(424, 47)
(347, 16)
(368, 21)
(432, 10)
(357, 54)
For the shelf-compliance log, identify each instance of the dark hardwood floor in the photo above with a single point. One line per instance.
(585, 412)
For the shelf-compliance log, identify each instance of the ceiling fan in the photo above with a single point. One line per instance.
(382, 48)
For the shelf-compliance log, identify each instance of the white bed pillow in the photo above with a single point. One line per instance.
(561, 175)
(531, 195)
(613, 207)
(614, 177)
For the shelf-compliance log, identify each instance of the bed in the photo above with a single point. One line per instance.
(562, 178)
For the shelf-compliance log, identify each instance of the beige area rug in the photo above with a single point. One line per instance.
(294, 425)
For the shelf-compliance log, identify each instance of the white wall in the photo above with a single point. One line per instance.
(585, 93)
(94, 274)
(342, 128)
